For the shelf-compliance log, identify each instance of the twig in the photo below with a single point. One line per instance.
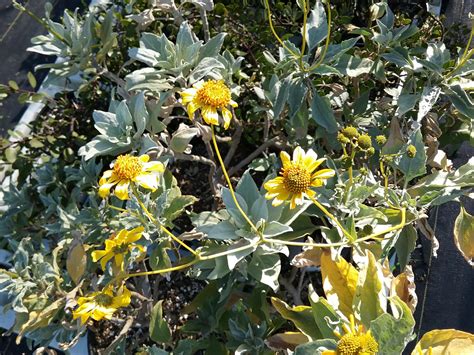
(254, 154)
(123, 332)
(291, 290)
(235, 143)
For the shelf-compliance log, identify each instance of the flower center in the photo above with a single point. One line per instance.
(351, 344)
(127, 167)
(296, 179)
(104, 300)
(214, 93)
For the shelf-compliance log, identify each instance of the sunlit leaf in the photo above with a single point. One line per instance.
(445, 341)
(464, 235)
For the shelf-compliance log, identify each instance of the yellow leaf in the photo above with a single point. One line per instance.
(339, 282)
(76, 261)
(464, 235)
(445, 342)
(370, 300)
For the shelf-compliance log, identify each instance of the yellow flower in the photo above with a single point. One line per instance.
(297, 178)
(103, 304)
(209, 96)
(355, 341)
(117, 246)
(128, 169)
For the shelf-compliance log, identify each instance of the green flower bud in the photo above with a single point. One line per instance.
(342, 138)
(411, 151)
(363, 171)
(364, 141)
(381, 139)
(370, 151)
(350, 132)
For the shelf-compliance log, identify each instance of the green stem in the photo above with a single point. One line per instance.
(330, 216)
(326, 45)
(229, 183)
(159, 225)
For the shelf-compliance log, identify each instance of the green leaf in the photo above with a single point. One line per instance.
(31, 79)
(316, 26)
(316, 347)
(416, 166)
(159, 329)
(182, 137)
(13, 85)
(322, 113)
(464, 235)
(247, 188)
(461, 100)
(159, 258)
(322, 309)
(275, 228)
(140, 114)
(177, 206)
(405, 245)
(301, 316)
(223, 230)
(11, 154)
(393, 333)
(265, 268)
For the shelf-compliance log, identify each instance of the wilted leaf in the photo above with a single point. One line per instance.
(287, 340)
(445, 341)
(464, 235)
(159, 329)
(301, 316)
(404, 287)
(395, 139)
(308, 257)
(339, 282)
(76, 261)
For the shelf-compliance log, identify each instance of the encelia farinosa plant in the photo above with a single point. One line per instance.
(228, 177)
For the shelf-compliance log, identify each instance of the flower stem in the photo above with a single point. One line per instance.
(229, 183)
(270, 22)
(159, 225)
(326, 45)
(330, 216)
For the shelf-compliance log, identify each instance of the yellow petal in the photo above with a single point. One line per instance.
(105, 260)
(313, 164)
(104, 190)
(192, 107)
(324, 174)
(118, 259)
(210, 116)
(134, 235)
(154, 166)
(97, 254)
(188, 95)
(105, 176)
(273, 183)
(148, 181)
(285, 159)
(298, 155)
(280, 198)
(233, 103)
(121, 190)
(227, 116)
(144, 158)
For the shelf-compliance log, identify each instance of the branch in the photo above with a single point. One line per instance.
(123, 332)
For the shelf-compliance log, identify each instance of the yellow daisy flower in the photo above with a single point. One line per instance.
(210, 96)
(355, 341)
(128, 169)
(117, 246)
(297, 178)
(102, 304)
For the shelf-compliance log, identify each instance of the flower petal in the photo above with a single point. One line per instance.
(121, 190)
(227, 116)
(298, 155)
(273, 183)
(144, 158)
(154, 166)
(324, 174)
(148, 181)
(285, 159)
(210, 116)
